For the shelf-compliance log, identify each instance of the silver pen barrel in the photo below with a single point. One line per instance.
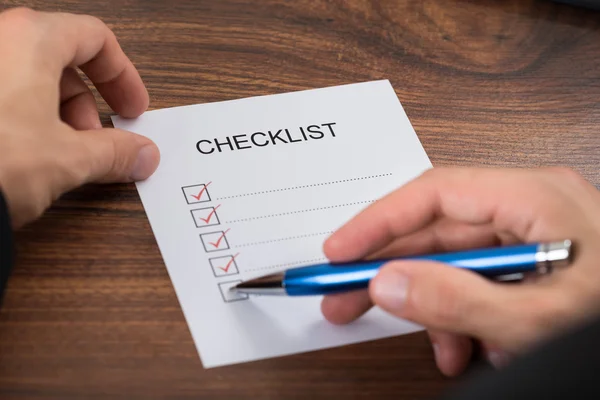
(553, 255)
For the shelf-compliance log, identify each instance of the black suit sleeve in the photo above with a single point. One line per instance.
(6, 246)
(567, 367)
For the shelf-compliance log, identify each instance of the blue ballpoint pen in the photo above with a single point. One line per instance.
(328, 278)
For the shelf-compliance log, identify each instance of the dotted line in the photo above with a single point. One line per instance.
(282, 239)
(304, 186)
(297, 212)
(287, 264)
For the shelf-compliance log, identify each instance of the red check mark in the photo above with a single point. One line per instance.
(229, 263)
(218, 243)
(201, 192)
(207, 219)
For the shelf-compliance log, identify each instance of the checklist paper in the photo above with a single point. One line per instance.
(254, 186)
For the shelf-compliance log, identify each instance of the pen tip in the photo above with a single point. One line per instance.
(263, 284)
(242, 285)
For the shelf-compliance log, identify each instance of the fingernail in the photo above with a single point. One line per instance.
(390, 290)
(436, 351)
(497, 359)
(145, 163)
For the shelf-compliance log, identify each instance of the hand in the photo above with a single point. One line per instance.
(51, 139)
(453, 209)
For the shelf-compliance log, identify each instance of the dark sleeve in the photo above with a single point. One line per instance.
(592, 4)
(568, 367)
(6, 247)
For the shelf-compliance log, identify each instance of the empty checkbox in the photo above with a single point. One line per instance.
(230, 296)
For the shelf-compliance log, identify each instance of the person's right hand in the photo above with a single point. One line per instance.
(51, 139)
(452, 209)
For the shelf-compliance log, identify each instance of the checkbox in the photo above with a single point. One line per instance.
(205, 216)
(214, 241)
(224, 266)
(196, 193)
(229, 296)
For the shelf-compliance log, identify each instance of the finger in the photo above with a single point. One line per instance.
(452, 352)
(509, 200)
(454, 300)
(346, 307)
(575, 181)
(441, 236)
(78, 105)
(86, 42)
(114, 155)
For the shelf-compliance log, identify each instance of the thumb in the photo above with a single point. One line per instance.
(119, 156)
(455, 300)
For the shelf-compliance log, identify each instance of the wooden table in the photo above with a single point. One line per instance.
(90, 311)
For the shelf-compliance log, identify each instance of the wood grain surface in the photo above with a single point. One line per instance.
(90, 312)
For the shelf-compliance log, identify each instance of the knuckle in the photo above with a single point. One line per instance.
(74, 169)
(458, 173)
(432, 175)
(23, 24)
(437, 173)
(20, 17)
(95, 21)
(431, 172)
(119, 161)
(107, 160)
(567, 173)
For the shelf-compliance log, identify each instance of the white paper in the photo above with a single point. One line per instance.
(276, 204)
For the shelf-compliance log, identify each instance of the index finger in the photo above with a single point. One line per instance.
(510, 200)
(86, 42)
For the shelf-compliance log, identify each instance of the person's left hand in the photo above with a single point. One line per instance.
(51, 139)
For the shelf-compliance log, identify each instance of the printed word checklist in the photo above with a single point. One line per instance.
(254, 186)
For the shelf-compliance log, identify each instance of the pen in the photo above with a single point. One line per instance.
(328, 278)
